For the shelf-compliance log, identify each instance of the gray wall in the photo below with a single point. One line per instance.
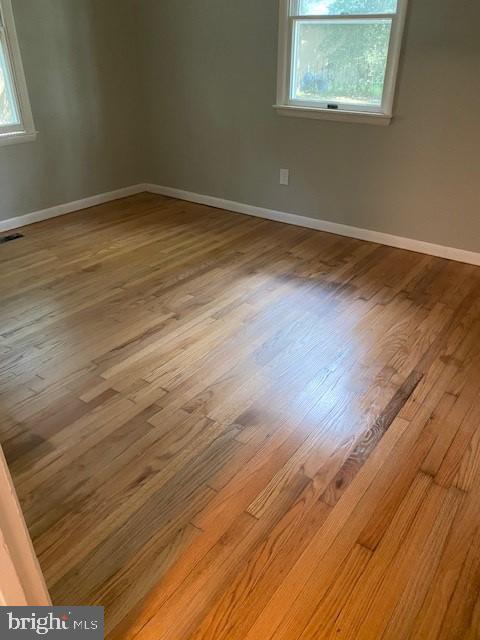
(81, 63)
(211, 69)
(181, 93)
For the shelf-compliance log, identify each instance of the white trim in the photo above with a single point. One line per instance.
(21, 579)
(440, 251)
(340, 115)
(69, 207)
(17, 138)
(14, 59)
(287, 106)
(328, 17)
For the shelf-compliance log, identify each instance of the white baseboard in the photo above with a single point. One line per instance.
(440, 251)
(68, 207)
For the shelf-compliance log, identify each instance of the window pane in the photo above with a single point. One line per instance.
(8, 110)
(340, 61)
(340, 7)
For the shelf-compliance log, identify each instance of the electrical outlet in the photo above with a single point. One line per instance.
(284, 176)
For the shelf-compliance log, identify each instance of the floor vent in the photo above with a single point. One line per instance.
(13, 236)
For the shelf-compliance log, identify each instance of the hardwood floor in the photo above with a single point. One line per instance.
(226, 428)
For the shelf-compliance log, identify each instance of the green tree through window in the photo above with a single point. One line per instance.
(339, 7)
(7, 114)
(342, 60)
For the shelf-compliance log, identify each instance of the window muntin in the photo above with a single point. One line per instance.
(16, 122)
(339, 55)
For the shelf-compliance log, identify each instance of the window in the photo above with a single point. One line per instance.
(16, 122)
(338, 59)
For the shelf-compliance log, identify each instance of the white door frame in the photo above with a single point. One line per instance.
(21, 579)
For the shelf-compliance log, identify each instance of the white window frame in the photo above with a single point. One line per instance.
(286, 106)
(25, 130)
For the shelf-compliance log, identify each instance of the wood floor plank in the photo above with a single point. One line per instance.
(352, 615)
(423, 549)
(226, 428)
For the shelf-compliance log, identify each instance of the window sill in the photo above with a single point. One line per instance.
(332, 114)
(17, 138)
